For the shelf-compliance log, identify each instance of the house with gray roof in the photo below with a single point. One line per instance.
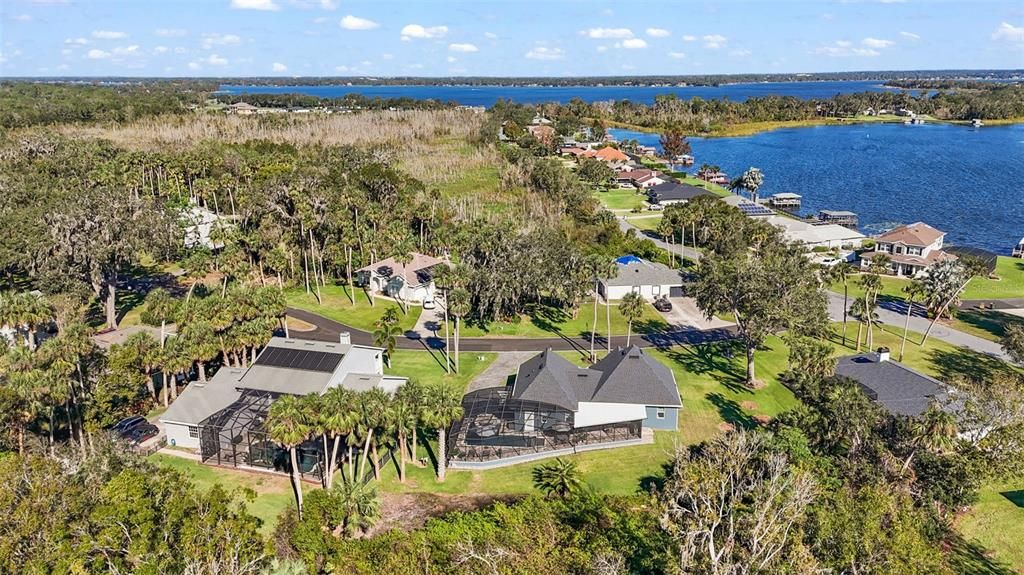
(286, 366)
(897, 388)
(672, 192)
(650, 279)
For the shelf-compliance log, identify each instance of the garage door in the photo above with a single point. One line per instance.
(676, 291)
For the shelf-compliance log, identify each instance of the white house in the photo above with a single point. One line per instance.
(913, 248)
(412, 281)
(650, 279)
(199, 222)
(284, 367)
(811, 235)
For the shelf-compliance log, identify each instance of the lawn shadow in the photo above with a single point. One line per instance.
(715, 359)
(992, 321)
(964, 363)
(1015, 497)
(731, 411)
(655, 483)
(969, 557)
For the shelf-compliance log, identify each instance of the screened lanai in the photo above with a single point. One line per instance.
(496, 426)
(236, 436)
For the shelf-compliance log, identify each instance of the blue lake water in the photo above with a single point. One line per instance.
(488, 95)
(966, 181)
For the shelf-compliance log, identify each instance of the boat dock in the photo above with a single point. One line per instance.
(785, 200)
(840, 217)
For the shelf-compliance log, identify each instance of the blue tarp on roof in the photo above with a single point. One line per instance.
(630, 259)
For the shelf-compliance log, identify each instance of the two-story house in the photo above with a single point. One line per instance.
(912, 248)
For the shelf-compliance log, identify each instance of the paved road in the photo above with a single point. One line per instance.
(330, 330)
(894, 314)
(690, 253)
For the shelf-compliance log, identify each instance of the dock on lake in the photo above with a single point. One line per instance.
(840, 217)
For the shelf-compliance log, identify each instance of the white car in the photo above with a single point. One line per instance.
(655, 207)
(429, 304)
(830, 261)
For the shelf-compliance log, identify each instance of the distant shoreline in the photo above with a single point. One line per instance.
(753, 128)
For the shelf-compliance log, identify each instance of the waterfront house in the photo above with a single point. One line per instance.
(553, 407)
(817, 235)
(650, 279)
(410, 281)
(673, 192)
(1018, 251)
(747, 207)
(608, 154)
(242, 109)
(224, 418)
(913, 248)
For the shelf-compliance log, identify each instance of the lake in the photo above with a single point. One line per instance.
(968, 182)
(488, 95)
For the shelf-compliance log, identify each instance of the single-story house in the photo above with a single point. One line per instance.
(199, 222)
(672, 192)
(817, 235)
(748, 208)
(412, 281)
(608, 154)
(627, 385)
(897, 388)
(218, 416)
(650, 279)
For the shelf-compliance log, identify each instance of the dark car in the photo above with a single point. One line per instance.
(662, 304)
(125, 425)
(142, 432)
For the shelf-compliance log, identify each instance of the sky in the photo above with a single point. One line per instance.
(502, 37)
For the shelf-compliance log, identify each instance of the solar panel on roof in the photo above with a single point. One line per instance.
(304, 359)
(750, 209)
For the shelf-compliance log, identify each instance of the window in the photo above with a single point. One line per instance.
(660, 414)
(193, 431)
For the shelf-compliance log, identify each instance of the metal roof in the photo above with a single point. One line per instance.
(201, 400)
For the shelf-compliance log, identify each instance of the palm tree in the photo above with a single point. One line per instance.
(459, 306)
(632, 308)
(444, 407)
(386, 336)
(401, 419)
(750, 181)
(372, 406)
(841, 272)
(595, 263)
(357, 505)
(176, 359)
(201, 342)
(913, 290)
(160, 308)
(560, 477)
(316, 423)
(34, 310)
(967, 268)
(147, 351)
(287, 426)
(196, 267)
(871, 284)
(863, 310)
(339, 408)
(414, 394)
(935, 430)
(611, 270)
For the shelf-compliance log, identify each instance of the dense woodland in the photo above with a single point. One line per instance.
(94, 211)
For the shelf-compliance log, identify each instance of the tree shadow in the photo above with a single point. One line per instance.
(992, 321)
(716, 359)
(731, 411)
(970, 557)
(1015, 497)
(655, 483)
(964, 363)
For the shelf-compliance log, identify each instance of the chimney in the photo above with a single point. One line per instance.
(883, 354)
(345, 337)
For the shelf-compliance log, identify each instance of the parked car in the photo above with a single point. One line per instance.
(829, 262)
(142, 432)
(655, 207)
(125, 425)
(429, 304)
(662, 304)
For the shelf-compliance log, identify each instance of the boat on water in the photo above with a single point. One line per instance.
(977, 123)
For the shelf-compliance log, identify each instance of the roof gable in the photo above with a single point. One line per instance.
(917, 234)
(631, 376)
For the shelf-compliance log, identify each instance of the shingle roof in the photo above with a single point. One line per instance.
(675, 191)
(642, 273)
(414, 273)
(916, 234)
(896, 387)
(201, 400)
(624, 376)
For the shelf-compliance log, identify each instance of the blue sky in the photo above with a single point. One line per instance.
(501, 37)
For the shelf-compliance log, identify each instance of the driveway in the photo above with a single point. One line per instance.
(503, 366)
(685, 315)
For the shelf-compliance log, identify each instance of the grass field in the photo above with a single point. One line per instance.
(1009, 285)
(996, 522)
(646, 223)
(428, 366)
(620, 199)
(337, 306)
(547, 321)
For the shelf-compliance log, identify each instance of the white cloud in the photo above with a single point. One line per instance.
(545, 53)
(171, 32)
(254, 5)
(844, 49)
(465, 48)
(66, 51)
(689, 38)
(419, 32)
(211, 40)
(658, 33)
(341, 68)
(193, 66)
(160, 49)
(108, 35)
(2, 58)
(328, 4)
(910, 35)
(490, 35)
(351, 22)
(677, 55)
(127, 50)
(877, 43)
(215, 60)
(602, 48)
(1007, 32)
(95, 54)
(452, 59)
(740, 53)
(278, 67)
(387, 56)
(714, 41)
(76, 41)
(632, 44)
(607, 33)
(844, 43)
(22, 18)
(63, 67)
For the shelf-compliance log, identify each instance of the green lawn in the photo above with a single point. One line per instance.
(428, 366)
(987, 324)
(620, 199)
(337, 306)
(273, 492)
(645, 223)
(1009, 285)
(892, 287)
(996, 522)
(547, 321)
